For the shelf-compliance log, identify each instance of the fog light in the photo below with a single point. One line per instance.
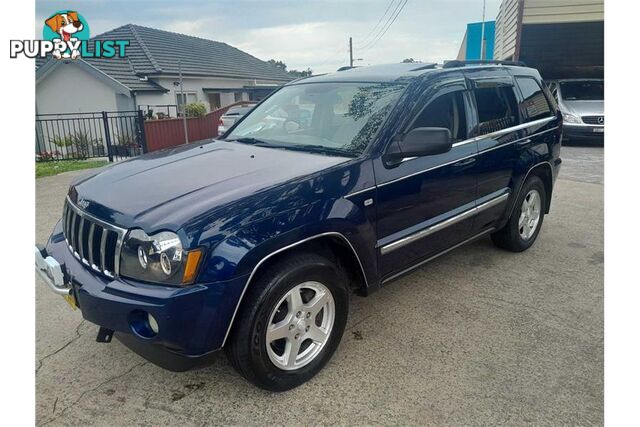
(143, 324)
(153, 324)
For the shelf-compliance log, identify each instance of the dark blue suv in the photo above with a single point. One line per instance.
(334, 184)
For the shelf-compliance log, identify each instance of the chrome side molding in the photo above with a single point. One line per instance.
(421, 263)
(397, 244)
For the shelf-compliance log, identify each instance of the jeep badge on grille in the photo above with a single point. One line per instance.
(83, 203)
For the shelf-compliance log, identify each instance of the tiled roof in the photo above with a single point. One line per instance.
(152, 52)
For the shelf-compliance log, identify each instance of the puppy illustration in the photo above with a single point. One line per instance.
(65, 24)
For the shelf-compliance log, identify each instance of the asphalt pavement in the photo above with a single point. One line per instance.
(478, 336)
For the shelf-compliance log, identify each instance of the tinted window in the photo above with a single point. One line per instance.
(446, 111)
(582, 90)
(535, 105)
(496, 108)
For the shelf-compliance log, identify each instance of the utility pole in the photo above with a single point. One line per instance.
(184, 104)
(482, 48)
(350, 52)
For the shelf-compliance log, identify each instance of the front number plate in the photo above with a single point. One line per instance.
(71, 300)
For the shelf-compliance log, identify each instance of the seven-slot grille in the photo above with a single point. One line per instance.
(94, 242)
(593, 120)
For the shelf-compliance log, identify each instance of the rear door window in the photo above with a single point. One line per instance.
(534, 105)
(497, 107)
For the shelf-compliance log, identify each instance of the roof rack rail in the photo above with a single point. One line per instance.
(457, 63)
(427, 66)
(346, 67)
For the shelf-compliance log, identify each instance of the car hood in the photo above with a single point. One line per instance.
(166, 188)
(584, 108)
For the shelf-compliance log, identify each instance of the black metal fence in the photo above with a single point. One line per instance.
(110, 134)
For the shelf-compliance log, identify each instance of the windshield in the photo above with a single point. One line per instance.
(582, 91)
(334, 118)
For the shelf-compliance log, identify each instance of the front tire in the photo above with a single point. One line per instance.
(290, 322)
(525, 221)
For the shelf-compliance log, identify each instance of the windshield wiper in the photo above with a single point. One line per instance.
(310, 148)
(252, 141)
(322, 149)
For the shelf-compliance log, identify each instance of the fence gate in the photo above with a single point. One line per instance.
(112, 135)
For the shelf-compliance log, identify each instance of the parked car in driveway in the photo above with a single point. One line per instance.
(254, 243)
(581, 102)
(232, 115)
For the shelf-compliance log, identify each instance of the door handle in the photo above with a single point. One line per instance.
(465, 162)
(525, 142)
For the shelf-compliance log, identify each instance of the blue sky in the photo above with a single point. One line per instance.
(302, 33)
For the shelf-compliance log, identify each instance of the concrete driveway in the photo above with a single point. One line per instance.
(478, 336)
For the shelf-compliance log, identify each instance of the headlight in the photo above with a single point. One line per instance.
(570, 118)
(159, 258)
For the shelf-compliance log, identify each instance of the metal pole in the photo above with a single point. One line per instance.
(350, 52)
(482, 52)
(184, 104)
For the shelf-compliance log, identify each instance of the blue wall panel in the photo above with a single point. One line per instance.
(474, 32)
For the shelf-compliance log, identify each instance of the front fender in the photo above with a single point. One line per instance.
(241, 253)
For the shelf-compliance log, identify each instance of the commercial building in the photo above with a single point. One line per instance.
(562, 38)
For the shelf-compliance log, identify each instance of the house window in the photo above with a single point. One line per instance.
(237, 96)
(185, 98)
(214, 101)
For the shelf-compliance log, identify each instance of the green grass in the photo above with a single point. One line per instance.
(58, 166)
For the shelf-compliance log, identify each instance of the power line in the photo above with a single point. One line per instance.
(364, 40)
(382, 28)
(402, 5)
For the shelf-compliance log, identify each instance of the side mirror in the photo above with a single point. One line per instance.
(419, 142)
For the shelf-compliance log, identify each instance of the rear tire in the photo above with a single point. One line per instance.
(525, 222)
(290, 323)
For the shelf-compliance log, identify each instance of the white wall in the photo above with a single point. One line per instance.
(556, 11)
(69, 88)
(506, 30)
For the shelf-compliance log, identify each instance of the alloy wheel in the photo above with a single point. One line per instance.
(529, 214)
(300, 325)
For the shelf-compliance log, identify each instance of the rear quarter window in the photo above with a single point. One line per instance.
(535, 104)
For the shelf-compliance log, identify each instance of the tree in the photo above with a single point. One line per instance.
(278, 64)
(304, 73)
(294, 73)
(409, 60)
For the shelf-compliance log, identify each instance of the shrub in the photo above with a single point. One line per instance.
(82, 143)
(126, 140)
(195, 109)
(62, 141)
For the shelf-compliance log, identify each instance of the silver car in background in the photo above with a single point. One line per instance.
(232, 115)
(581, 102)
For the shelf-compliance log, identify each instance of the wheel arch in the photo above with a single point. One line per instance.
(332, 244)
(544, 171)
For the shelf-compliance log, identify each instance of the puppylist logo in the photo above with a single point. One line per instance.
(66, 36)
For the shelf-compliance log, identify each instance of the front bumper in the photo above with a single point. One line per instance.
(576, 131)
(192, 321)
